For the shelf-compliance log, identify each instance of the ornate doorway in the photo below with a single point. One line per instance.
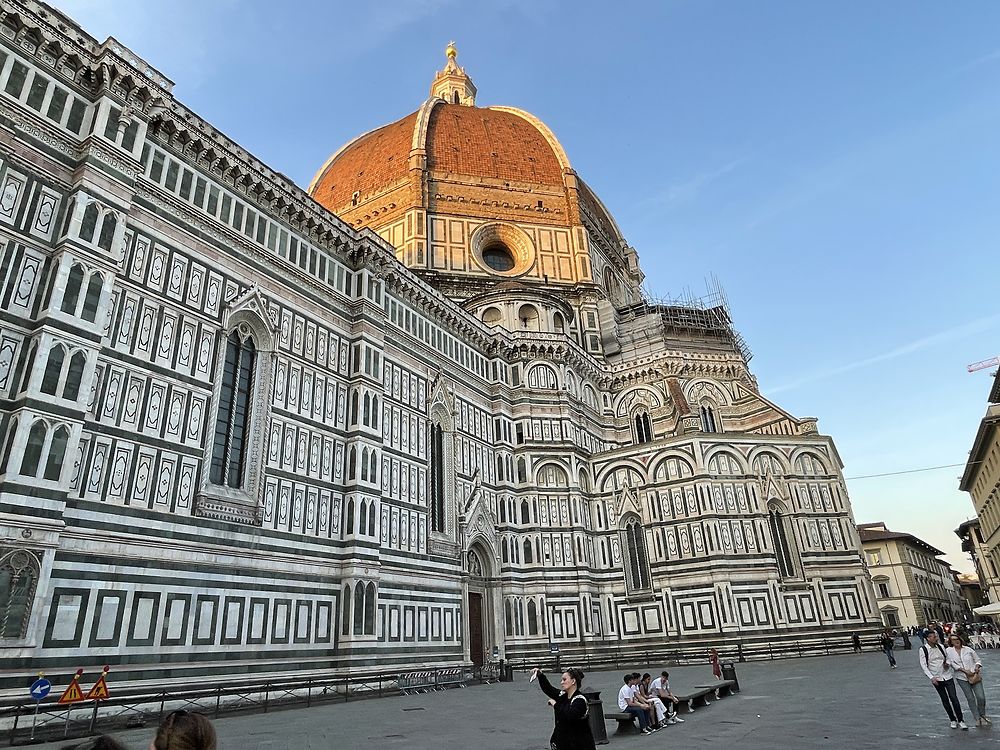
(476, 650)
(480, 607)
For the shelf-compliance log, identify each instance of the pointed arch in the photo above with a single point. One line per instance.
(359, 608)
(635, 558)
(92, 300)
(74, 376)
(57, 453)
(345, 617)
(33, 449)
(53, 370)
(71, 294)
(370, 603)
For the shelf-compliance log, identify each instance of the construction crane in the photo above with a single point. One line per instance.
(977, 366)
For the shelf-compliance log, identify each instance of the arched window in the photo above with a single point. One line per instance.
(532, 617)
(370, 609)
(235, 395)
(374, 422)
(371, 519)
(359, 608)
(437, 477)
(782, 550)
(558, 324)
(9, 446)
(18, 578)
(522, 470)
(373, 467)
(492, 316)
(527, 552)
(364, 464)
(346, 617)
(33, 450)
(53, 370)
(74, 376)
(354, 408)
(72, 294)
(352, 463)
(367, 412)
(57, 452)
(362, 517)
(108, 231)
(708, 422)
(93, 299)
(508, 618)
(503, 552)
(525, 512)
(500, 476)
(636, 560)
(89, 224)
(643, 427)
(527, 317)
(349, 524)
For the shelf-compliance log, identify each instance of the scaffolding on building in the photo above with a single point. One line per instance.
(706, 315)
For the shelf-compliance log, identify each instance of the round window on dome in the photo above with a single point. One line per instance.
(498, 257)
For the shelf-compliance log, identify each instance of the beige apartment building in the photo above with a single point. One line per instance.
(912, 585)
(981, 479)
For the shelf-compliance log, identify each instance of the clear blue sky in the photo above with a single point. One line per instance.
(834, 164)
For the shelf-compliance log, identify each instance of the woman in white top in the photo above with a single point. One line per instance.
(966, 664)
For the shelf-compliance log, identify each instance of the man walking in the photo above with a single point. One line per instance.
(887, 642)
(935, 664)
(856, 641)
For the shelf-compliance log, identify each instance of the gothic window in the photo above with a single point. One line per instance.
(371, 519)
(346, 617)
(354, 407)
(527, 552)
(782, 549)
(367, 413)
(374, 422)
(364, 464)
(57, 452)
(362, 516)
(349, 524)
(437, 478)
(33, 450)
(89, 224)
(74, 376)
(643, 427)
(635, 558)
(708, 421)
(370, 609)
(18, 578)
(93, 298)
(9, 445)
(74, 282)
(522, 471)
(508, 618)
(373, 467)
(525, 512)
(53, 370)
(359, 608)
(107, 231)
(542, 377)
(229, 448)
(532, 617)
(500, 476)
(352, 463)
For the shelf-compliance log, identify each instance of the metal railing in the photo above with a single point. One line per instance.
(141, 707)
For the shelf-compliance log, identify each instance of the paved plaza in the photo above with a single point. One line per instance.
(833, 701)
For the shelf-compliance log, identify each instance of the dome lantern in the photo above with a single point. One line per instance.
(452, 83)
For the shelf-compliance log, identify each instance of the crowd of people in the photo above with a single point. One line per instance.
(180, 730)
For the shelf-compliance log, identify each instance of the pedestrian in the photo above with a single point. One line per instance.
(713, 657)
(934, 662)
(887, 641)
(906, 641)
(856, 641)
(184, 730)
(968, 669)
(572, 728)
(103, 742)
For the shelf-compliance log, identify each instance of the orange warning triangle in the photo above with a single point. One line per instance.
(100, 690)
(72, 694)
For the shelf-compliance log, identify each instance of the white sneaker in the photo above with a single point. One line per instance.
(678, 719)
(671, 721)
(645, 731)
(954, 725)
(961, 725)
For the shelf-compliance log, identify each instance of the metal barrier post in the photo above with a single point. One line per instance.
(218, 700)
(93, 719)
(309, 694)
(347, 689)
(13, 729)
(267, 695)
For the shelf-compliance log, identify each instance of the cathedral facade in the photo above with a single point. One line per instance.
(420, 414)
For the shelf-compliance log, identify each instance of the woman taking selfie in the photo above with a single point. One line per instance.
(572, 730)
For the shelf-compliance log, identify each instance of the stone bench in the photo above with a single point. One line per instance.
(722, 688)
(695, 697)
(626, 722)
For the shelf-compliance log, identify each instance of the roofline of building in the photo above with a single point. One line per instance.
(897, 535)
(983, 435)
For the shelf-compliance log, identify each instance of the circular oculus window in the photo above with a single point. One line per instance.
(503, 249)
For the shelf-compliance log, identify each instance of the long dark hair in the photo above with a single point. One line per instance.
(182, 730)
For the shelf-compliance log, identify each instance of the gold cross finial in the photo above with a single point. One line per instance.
(451, 51)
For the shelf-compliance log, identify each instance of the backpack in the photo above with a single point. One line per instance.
(927, 659)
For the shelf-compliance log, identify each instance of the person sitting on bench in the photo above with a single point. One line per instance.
(661, 689)
(628, 703)
(659, 717)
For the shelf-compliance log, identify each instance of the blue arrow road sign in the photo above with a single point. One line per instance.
(40, 688)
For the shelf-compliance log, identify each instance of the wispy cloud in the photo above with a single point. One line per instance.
(986, 59)
(689, 190)
(955, 333)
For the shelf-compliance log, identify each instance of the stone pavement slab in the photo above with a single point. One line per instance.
(851, 701)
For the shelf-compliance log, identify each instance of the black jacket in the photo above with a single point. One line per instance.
(572, 731)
